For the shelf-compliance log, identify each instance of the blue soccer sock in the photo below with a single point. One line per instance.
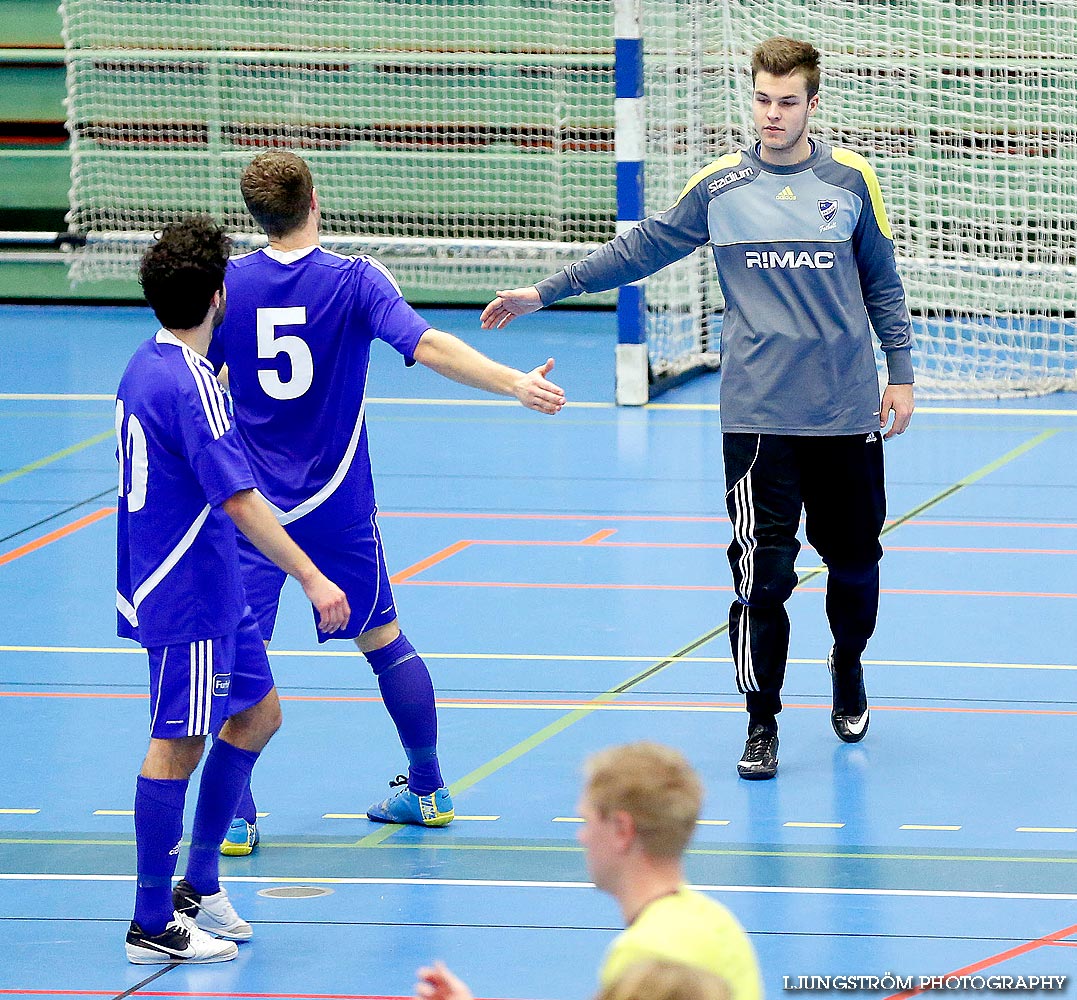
(408, 694)
(246, 808)
(226, 773)
(158, 831)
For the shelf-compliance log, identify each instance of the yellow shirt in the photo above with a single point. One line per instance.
(687, 927)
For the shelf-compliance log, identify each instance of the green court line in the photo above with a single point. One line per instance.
(972, 477)
(850, 855)
(56, 456)
(559, 725)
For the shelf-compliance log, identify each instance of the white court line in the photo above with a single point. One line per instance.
(565, 657)
(781, 890)
(967, 411)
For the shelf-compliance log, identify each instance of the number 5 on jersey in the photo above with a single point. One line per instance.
(299, 356)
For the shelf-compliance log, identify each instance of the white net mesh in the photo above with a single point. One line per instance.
(435, 130)
(968, 111)
(470, 143)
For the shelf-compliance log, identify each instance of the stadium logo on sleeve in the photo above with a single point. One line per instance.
(732, 177)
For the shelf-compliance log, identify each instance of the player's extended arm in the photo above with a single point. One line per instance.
(449, 356)
(645, 248)
(257, 522)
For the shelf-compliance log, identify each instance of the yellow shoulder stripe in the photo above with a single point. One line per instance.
(848, 158)
(722, 163)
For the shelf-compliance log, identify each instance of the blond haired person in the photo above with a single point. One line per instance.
(640, 804)
(658, 979)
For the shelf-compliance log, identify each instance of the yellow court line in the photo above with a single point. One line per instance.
(56, 456)
(1047, 829)
(114, 812)
(815, 826)
(566, 657)
(919, 826)
(19, 812)
(700, 822)
(967, 411)
(459, 818)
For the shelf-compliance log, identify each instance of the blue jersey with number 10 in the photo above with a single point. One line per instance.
(177, 570)
(296, 338)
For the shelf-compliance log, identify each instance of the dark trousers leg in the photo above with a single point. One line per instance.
(845, 506)
(763, 501)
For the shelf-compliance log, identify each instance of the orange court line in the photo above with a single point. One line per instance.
(1002, 956)
(54, 536)
(599, 539)
(405, 574)
(708, 588)
(686, 519)
(574, 702)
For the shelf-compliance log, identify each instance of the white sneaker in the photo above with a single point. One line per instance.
(180, 942)
(212, 913)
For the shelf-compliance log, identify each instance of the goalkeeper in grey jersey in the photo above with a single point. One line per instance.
(805, 258)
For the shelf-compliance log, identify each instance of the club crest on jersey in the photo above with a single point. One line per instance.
(222, 683)
(828, 208)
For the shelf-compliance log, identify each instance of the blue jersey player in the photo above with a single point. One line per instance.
(296, 345)
(185, 483)
(805, 258)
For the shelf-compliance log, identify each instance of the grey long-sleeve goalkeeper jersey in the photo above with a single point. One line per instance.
(805, 258)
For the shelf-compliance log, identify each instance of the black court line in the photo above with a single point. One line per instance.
(145, 982)
(59, 513)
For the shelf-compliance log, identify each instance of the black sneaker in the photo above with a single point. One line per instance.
(760, 758)
(850, 715)
(181, 942)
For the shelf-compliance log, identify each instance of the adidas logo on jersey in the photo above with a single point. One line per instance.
(786, 194)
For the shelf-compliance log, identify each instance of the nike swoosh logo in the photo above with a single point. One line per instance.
(857, 727)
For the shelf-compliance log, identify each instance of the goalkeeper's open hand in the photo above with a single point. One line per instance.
(510, 304)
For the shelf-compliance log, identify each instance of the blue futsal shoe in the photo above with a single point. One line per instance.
(241, 839)
(404, 806)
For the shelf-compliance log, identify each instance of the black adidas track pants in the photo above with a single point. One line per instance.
(770, 479)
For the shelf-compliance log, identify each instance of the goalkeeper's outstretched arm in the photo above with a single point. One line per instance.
(635, 254)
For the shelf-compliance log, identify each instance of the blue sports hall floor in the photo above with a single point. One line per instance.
(566, 581)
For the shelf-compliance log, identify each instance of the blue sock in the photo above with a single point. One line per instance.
(158, 831)
(246, 808)
(226, 773)
(408, 694)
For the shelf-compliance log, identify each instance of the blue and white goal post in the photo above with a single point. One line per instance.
(661, 138)
(630, 140)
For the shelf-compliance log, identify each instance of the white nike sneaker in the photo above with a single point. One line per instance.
(181, 942)
(212, 913)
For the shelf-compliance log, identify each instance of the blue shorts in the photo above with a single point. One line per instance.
(195, 687)
(351, 557)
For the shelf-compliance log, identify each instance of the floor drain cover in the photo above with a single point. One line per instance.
(295, 892)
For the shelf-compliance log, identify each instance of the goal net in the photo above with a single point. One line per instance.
(470, 144)
(967, 111)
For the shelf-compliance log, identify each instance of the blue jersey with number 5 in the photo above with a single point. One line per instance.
(177, 567)
(296, 338)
